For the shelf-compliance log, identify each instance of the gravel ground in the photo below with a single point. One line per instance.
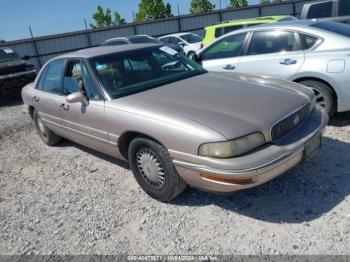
(68, 199)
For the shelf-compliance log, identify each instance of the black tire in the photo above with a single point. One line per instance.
(171, 185)
(324, 95)
(46, 135)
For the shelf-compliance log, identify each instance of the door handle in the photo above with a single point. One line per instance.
(35, 99)
(64, 107)
(229, 67)
(288, 61)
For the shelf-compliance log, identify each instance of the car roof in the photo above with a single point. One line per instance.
(261, 19)
(105, 50)
(280, 25)
(125, 38)
(177, 34)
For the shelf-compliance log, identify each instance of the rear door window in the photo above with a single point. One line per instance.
(307, 41)
(267, 42)
(52, 82)
(218, 32)
(228, 29)
(320, 10)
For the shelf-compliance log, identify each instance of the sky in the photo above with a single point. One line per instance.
(47, 17)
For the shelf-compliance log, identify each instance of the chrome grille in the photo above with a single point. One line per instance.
(289, 123)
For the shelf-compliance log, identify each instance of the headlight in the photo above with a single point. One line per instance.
(232, 148)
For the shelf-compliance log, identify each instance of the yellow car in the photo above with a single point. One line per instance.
(215, 31)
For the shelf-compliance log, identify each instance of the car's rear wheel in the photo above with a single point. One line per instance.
(154, 170)
(324, 95)
(46, 135)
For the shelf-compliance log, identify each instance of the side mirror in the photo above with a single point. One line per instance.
(182, 44)
(77, 97)
(26, 57)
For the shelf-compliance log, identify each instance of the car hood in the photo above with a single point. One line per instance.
(232, 107)
(13, 66)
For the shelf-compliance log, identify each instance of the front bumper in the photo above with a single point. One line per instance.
(255, 168)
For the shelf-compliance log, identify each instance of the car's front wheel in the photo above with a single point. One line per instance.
(154, 170)
(324, 95)
(46, 135)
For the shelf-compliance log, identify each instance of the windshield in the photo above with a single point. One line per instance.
(338, 28)
(191, 38)
(8, 54)
(139, 70)
(143, 40)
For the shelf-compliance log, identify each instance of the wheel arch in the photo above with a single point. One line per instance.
(125, 139)
(334, 93)
(31, 111)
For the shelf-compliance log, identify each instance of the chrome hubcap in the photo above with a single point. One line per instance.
(150, 168)
(320, 99)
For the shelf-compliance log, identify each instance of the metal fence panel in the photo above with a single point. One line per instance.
(281, 9)
(55, 45)
(161, 27)
(200, 21)
(45, 58)
(240, 14)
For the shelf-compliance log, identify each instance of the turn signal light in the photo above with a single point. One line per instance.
(239, 181)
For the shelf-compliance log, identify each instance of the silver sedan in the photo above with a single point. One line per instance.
(175, 123)
(313, 53)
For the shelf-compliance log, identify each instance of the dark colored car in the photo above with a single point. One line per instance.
(140, 39)
(15, 72)
(335, 10)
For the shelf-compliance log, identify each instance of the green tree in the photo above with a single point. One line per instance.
(104, 19)
(153, 9)
(238, 3)
(201, 6)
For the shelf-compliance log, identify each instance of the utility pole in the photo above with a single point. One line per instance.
(87, 33)
(86, 28)
(31, 32)
(178, 10)
(35, 47)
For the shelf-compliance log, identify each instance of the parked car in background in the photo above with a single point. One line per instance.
(336, 10)
(312, 53)
(15, 72)
(215, 31)
(140, 39)
(173, 121)
(191, 43)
